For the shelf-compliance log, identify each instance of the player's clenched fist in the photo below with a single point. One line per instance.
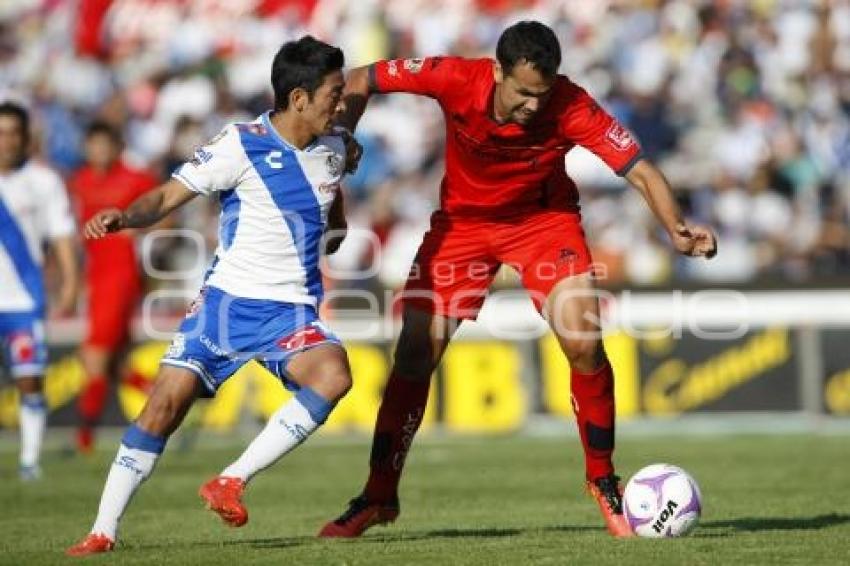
(693, 240)
(106, 221)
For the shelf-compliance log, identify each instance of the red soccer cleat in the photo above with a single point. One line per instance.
(609, 495)
(360, 515)
(94, 543)
(224, 496)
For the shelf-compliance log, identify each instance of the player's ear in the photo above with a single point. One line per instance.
(298, 99)
(498, 73)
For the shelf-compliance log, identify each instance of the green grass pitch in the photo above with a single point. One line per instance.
(487, 501)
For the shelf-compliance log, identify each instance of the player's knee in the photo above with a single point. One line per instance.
(584, 355)
(334, 378)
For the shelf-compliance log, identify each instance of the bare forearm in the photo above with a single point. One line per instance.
(155, 205)
(145, 211)
(688, 239)
(652, 184)
(66, 258)
(355, 96)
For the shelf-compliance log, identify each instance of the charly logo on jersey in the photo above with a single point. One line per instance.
(619, 137)
(273, 159)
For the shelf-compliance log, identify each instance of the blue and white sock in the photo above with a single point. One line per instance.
(288, 427)
(134, 462)
(33, 423)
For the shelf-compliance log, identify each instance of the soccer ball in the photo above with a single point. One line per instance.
(662, 501)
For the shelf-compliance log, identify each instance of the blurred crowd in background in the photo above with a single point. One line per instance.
(744, 104)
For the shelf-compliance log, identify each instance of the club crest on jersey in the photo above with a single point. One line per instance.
(414, 65)
(302, 338)
(22, 347)
(566, 255)
(335, 163)
(619, 137)
(392, 68)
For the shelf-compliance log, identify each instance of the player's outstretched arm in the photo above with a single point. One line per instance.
(688, 239)
(145, 211)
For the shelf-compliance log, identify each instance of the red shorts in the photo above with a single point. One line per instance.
(110, 311)
(459, 258)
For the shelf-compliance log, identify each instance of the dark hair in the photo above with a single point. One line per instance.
(302, 64)
(15, 110)
(100, 127)
(530, 42)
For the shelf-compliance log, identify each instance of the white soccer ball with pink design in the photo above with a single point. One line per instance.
(662, 501)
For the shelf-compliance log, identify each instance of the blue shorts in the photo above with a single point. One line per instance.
(24, 348)
(221, 333)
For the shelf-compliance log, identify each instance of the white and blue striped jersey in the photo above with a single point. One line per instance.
(274, 200)
(33, 209)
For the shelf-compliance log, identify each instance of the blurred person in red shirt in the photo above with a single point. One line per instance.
(112, 275)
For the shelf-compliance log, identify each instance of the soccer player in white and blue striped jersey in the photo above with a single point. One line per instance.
(278, 180)
(34, 210)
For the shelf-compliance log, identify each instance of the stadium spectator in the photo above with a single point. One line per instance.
(112, 275)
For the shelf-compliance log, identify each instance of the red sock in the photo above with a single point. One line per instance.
(92, 400)
(593, 403)
(399, 418)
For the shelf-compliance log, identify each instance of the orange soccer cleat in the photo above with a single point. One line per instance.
(94, 543)
(609, 495)
(360, 515)
(224, 496)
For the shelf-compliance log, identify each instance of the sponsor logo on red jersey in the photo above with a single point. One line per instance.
(619, 137)
(413, 65)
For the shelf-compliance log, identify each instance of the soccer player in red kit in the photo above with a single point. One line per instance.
(112, 273)
(506, 199)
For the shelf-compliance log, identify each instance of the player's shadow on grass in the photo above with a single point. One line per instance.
(749, 524)
(407, 536)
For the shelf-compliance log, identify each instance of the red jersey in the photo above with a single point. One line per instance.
(495, 169)
(93, 191)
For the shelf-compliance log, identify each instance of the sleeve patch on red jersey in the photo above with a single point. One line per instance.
(619, 137)
(413, 65)
(392, 68)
